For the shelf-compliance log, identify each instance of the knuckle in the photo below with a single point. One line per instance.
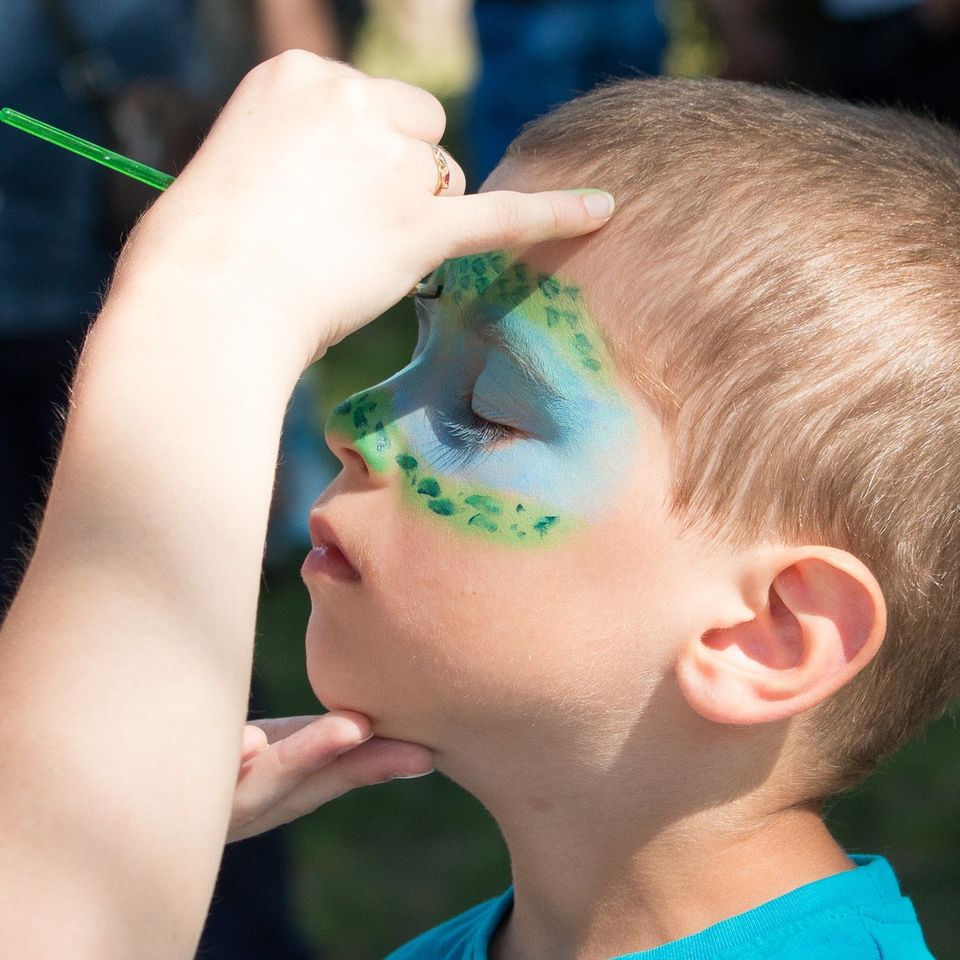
(426, 104)
(285, 72)
(354, 92)
(295, 68)
(440, 115)
(292, 65)
(295, 59)
(509, 219)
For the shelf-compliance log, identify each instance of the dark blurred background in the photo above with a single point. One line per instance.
(374, 868)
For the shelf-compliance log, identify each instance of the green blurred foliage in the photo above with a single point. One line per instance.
(907, 811)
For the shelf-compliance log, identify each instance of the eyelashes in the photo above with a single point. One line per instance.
(475, 431)
(471, 436)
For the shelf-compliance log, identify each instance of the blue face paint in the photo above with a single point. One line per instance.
(508, 422)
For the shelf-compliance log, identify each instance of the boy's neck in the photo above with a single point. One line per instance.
(574, 902)
(616, 851)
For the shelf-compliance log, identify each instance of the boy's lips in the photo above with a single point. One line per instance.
(327, 557)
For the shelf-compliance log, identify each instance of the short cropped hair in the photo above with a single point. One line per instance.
(792, 285)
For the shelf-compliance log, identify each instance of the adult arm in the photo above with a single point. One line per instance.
(125, 658)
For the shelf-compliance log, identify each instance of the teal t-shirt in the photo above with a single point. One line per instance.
(857, 915)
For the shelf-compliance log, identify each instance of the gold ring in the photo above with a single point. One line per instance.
(443, 169)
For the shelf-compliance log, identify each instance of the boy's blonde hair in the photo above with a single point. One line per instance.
(792, 285)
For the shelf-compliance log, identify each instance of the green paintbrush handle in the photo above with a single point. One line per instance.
(120, 163)
(60, 138)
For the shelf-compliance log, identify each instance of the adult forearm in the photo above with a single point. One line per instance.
(148, 560)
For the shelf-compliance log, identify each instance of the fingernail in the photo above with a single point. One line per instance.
(412, 776)
(354, 745)
(598, 203)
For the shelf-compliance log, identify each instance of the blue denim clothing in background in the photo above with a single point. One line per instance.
(54, 255)
(535, 55)
(856, 915)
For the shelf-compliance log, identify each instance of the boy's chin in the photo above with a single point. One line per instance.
(341, 682)
(383, 720)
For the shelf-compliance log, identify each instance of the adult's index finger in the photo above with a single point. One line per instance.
(504, 218)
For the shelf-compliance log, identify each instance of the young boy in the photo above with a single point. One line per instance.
(654, 542)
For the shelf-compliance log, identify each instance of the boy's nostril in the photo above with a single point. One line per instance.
(351, 457)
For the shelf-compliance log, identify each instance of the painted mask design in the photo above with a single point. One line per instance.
(508, 423)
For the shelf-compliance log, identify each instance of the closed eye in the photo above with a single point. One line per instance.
(474, 431)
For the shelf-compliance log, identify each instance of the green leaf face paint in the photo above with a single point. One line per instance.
(467, 508)
(543, 300)
(508, 425)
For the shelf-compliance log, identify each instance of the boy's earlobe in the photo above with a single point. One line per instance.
(822, 621)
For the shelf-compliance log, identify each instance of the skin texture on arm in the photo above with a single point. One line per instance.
(128, 650)
(125, 659)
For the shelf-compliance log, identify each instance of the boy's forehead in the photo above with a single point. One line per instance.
(555, 286)
(536, 316)
(492, 285)
(585, 262)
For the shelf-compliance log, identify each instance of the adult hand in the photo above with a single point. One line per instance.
(311, 205)
(291, 766)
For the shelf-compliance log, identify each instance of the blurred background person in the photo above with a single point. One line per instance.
(896, 52)
(538, 53)
(65, 62)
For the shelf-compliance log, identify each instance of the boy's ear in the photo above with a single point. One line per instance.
(819, 618)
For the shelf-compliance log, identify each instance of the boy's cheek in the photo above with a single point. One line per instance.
(442, 625)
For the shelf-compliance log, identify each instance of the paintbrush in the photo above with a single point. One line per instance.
(121, 164)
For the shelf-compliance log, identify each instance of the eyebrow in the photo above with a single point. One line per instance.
(529, 364)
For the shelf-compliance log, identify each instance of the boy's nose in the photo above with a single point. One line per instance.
(357, 432)
(347, 454)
